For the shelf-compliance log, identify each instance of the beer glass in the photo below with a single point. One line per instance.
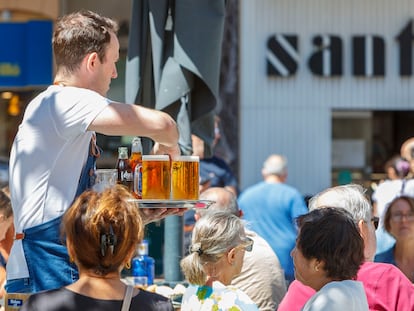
(185, 178)
(105, 178)
(155, 177)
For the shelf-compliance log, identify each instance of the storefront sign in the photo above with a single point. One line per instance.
(26, 54)
(368, 54)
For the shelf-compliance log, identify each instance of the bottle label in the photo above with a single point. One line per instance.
(127, 176)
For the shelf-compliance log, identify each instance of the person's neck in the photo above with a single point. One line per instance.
(273, 179)
(404, 251)
(65, 80)
(99, 287)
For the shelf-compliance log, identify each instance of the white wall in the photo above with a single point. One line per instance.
(292, 116)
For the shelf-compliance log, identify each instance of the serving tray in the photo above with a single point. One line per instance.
(188, 204)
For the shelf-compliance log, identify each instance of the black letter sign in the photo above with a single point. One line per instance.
(327, 60)
(405, 39)
(282, 55)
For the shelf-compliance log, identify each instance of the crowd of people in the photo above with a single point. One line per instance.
(262, 248)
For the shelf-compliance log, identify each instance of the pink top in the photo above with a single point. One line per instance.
(386, 287)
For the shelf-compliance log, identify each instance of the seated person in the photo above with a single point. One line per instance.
(399, 222)
(386, 287)
(219, 243)
(102, 231)
(327, 257)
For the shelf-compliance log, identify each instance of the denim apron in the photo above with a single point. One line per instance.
(46, 254)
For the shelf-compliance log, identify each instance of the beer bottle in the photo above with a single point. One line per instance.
(134, 160)
(136, 152)
(125, 175)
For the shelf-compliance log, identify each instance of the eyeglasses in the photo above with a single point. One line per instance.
(247, 244)
(375, 221)
(398, 217)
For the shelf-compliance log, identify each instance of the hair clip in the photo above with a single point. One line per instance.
(197, 249)
(108, 240)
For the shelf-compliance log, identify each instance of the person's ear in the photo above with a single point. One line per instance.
(318, 265)
(197, 216)
(71, 253)
(363, 230)
(91, 60)
(231, 256)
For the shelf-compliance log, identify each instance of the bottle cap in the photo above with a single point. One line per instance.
(143, 248)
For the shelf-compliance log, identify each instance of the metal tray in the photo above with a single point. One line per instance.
(188, 204)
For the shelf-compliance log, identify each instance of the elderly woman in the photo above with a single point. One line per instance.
(327, 256)
(102, 231)
(399, 222)
(216, 257)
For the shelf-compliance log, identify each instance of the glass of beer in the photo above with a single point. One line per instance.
(185, 178)
(105, 178)
(155, 177)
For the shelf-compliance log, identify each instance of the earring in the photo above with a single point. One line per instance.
(71, 260)
(128, 265)
(316, 268)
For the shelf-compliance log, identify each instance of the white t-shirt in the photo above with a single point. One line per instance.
(339, 296)
(47, 156)
(388, 191)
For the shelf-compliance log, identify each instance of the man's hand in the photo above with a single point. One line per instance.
(149, 215)
(163, 149)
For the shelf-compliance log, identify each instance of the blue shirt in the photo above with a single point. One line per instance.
(270, 209)
(386, 257)
(218, 172)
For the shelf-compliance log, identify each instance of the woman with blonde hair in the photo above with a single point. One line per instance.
(216, 257)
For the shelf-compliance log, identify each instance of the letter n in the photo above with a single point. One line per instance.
(368, 56)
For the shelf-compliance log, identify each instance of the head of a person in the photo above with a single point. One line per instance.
(217, 249)
(328, 247)
(275, 165)
(6, 212)
(224, 200)
(397, 167)
(399, 218)
(102, 230)
(86, 37)
(407, 152)
(352, 198)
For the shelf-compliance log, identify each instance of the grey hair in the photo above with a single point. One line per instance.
(350, 197)
(224, 200)
(213, 235)
(275, 165)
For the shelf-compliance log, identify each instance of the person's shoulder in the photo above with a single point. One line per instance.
(218, 161)
(377, 271)
(386, 256)
(296, 297)
(254, 187)
(44, 299)
(152, 296)
(239, 297)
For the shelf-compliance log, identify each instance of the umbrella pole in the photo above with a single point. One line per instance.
(173, 249)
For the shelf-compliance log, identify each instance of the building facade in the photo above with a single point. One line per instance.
(327, 83)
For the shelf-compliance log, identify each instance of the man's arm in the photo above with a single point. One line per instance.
(133, 120)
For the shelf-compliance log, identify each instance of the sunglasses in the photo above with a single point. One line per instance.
(375, 220)
(247, 244)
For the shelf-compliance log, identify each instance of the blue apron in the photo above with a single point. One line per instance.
(45, 252)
